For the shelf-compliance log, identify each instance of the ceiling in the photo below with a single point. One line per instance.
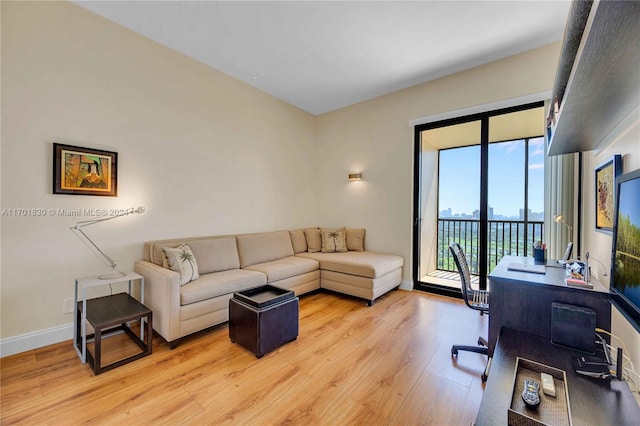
(504, 127)
(325, 55)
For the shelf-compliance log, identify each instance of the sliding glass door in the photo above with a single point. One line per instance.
(479, 182)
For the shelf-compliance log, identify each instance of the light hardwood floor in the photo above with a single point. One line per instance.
(351, 364)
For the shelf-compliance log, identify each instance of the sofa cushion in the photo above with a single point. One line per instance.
(363, 263)
(285, 268)
(333, 240)
(299, 241)
(314, 240)
(156, 255)
(215, 254)
(264, 247)
(355, 239)
(182, 261)
(220, 283)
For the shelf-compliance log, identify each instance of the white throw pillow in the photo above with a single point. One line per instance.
(182, 260)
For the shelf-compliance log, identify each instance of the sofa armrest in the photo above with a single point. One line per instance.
(162, 296)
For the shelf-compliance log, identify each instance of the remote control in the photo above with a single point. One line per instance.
(530, 394)
(548, 387)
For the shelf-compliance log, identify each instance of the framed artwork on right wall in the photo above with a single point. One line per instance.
(605, 180)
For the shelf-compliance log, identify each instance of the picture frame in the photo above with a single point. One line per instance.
(84, 171)
(605, 178)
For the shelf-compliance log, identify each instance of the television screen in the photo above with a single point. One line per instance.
(625, 259)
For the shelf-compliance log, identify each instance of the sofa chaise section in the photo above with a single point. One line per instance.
(363, 274)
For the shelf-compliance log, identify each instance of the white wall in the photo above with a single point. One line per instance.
(598, 243)
(205, 153)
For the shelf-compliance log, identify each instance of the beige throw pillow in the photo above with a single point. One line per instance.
(355, 239)
(333, 240)
(314, 241)
(299, 241)
(182, 261)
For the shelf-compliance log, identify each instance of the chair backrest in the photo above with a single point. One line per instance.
(463, 269)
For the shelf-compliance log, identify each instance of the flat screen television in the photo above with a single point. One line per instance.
(625, 253)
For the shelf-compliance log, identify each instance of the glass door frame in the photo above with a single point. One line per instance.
(484, 192)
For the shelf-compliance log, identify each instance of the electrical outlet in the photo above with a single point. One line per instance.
(67, 306)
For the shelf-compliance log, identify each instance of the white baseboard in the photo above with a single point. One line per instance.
(406, 285)
(37, 339)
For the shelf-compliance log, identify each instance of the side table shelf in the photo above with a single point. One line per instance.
(107, 315)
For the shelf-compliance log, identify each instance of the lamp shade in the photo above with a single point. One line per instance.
(560, 219)
(355, 176)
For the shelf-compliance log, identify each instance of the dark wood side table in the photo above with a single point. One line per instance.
(110, 314)
(263, 318)
(79, 321)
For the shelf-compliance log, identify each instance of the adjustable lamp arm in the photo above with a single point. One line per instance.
(89, 242)
(77, 229)
(127, 212)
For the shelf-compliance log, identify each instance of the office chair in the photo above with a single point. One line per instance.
(475, 299)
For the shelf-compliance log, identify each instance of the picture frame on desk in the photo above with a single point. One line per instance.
(604, 190)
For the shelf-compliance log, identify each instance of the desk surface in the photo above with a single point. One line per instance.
(593, 402)
(554, 274)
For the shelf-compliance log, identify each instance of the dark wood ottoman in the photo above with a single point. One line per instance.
(263, 318)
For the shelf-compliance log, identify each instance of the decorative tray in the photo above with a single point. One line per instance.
(554, 411)
(264, 296)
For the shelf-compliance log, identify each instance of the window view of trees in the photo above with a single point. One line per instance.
(512, 228)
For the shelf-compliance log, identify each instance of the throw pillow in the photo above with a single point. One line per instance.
(182, 261)
(299, 241)
(333, 240)
(314, 241)
(355, 239)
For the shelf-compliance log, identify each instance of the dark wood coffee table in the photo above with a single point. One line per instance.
(110, 314)
(263, 318)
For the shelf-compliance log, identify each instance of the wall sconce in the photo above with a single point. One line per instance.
(355, 176)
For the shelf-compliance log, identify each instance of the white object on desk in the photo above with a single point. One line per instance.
(525, 267)
(84, 284)
(548, 386)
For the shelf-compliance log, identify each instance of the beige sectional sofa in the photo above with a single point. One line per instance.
(227, 264)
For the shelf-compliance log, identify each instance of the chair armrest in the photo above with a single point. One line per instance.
(480, 299)
(162, 296)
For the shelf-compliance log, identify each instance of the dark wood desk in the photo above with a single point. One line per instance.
(522, 300)
(592, 401)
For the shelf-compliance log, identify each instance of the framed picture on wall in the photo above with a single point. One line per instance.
(605, 179)
(84, 171)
